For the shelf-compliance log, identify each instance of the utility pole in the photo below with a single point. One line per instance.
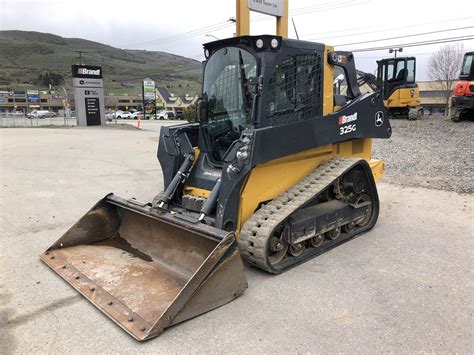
(395, 50)
(66, 105)
(80, 56)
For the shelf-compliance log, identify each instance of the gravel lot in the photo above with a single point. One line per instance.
(433, 153)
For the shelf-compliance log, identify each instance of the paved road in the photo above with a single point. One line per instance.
(407, 286)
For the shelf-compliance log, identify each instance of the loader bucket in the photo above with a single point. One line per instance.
(147, 269)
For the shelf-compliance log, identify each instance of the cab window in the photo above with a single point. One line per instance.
(400, 72)
(411, 71)
(390, 70)
(466, 67)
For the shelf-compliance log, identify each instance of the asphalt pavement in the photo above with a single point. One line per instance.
(406, 286)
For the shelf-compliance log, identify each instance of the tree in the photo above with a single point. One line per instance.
(49, 78)
(190, 113)
(444, 67)
(111, 102)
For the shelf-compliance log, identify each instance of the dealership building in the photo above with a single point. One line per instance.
(30, 100)
(164, 101)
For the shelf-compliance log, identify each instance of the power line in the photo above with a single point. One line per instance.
(173, 71)
(319, 8)
(415, 44)
(405, 36)
(183, 34)
(223, 25)
(413, 54)
(381, 30)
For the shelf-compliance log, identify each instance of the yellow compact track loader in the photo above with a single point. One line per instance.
(270, 174)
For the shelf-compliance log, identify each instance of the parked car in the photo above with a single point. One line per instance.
(179, 115)
(166, 115)
(41, 114)
(142, 115)
(135, 115)
(119, 114)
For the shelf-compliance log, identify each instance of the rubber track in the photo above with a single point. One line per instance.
(257, 230)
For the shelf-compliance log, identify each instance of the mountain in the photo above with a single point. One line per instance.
(25, 55)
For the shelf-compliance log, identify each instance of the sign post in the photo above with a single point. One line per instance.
(149, 97)
(88, 95)
(277, 8)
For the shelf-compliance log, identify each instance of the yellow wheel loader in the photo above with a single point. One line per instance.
(270, 174)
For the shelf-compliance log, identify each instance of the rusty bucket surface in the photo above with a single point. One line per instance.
(145, 269)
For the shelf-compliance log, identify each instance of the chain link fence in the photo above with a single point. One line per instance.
(22, 120)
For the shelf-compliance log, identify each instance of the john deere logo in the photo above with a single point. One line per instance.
(379, 118)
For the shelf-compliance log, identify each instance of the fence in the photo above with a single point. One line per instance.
(21, 120)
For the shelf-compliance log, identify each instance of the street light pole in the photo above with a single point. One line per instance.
(395, 50)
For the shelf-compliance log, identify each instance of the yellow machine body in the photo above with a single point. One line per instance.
(404, 97)
(269, 180)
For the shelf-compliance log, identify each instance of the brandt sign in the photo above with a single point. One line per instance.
(269, 7)
(88, 95)
(86, 71)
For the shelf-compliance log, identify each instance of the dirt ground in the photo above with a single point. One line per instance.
(406, 286)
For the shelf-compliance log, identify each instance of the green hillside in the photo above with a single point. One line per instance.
(24, 56)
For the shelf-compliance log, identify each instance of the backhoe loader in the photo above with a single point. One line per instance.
(270, 174)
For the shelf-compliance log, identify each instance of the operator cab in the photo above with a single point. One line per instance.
(256, 81)
(395, 73)
(467, 71)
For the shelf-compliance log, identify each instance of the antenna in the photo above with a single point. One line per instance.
(294, 26)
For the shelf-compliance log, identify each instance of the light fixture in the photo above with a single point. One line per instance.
(274, 43)
(259, 43)
(206, 53)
